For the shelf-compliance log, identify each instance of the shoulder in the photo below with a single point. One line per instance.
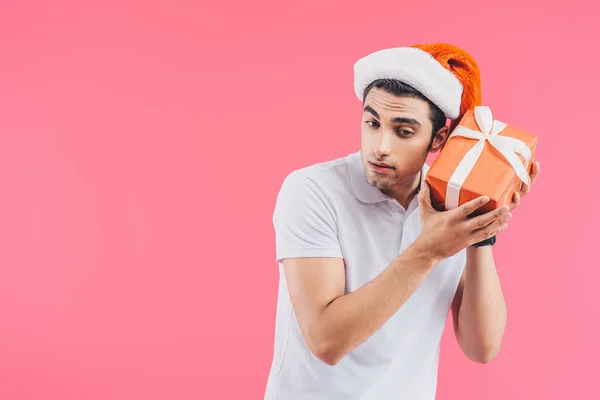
(306, 211)
(318, 189)
(324, 178)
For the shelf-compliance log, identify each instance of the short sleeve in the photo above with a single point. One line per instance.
(304, 220)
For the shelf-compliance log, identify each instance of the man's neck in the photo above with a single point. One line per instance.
(404, 193)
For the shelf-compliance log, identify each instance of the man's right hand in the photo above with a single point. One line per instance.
(448, 232)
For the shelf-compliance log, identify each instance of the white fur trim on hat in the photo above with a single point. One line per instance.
(416, 68)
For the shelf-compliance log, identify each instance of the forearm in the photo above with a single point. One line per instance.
(482, 315)
(352, 318)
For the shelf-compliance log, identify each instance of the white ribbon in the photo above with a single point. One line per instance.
(507, 146)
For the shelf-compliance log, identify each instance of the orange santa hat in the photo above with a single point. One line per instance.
(445, 74)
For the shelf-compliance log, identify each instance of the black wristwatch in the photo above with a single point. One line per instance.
(487, 242)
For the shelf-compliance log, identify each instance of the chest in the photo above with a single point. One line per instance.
(371, 239)
(372, 236)
(375, 234)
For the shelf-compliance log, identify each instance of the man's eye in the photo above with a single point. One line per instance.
(404, 132)
(372, 124)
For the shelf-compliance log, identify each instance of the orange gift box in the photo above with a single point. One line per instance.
(482, 157)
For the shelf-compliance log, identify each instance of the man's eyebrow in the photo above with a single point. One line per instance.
(369, 109)
(397, 120)
(409, 121)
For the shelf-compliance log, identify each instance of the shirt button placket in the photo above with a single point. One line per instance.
(400, 222)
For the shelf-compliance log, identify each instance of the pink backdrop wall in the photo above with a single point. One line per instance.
(142, 147)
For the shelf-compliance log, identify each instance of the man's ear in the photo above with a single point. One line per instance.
(439, 139)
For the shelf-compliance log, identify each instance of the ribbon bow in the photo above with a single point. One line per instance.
(507, 146)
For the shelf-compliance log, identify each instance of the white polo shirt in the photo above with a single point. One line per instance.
(329, 210)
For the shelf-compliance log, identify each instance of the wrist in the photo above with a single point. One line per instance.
(486, 242)
(423, 251)
(479, 256)
(482, 250)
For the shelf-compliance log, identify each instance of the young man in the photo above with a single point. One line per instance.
(368, 269)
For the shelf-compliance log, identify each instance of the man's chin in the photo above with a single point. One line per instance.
(379, 183)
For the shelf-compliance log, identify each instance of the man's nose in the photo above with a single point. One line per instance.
(384, 144)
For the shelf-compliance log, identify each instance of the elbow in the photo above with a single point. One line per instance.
(478, 351)
(485, 355)
(327, 356)
(327, 351)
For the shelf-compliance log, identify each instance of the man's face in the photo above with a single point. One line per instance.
(395, 137)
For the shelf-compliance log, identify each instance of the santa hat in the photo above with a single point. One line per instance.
(445, 74)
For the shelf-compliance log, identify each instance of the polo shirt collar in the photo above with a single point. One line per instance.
(361, 188)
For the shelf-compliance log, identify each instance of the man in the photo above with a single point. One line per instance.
(369, 271)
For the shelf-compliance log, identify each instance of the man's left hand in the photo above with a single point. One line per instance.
(525, 189)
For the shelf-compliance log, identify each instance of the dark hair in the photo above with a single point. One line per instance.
(398, 88)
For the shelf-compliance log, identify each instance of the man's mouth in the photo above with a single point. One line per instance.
(381, 165)
(381, 168)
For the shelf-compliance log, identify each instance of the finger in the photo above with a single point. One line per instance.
(482, 221)
(535, 172)
(424, 197)
(498, 230)
(516, 201)
(492, 229)
(467, 209)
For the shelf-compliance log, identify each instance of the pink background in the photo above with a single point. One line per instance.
(144, 142)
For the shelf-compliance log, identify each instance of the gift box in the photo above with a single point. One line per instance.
(482, 157)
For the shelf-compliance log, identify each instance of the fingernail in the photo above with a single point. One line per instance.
(509, 216)
(504, 210)
(485, 199)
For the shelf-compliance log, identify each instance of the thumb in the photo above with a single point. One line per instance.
(425, 197)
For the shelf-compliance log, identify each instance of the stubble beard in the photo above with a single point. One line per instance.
(380, 181)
